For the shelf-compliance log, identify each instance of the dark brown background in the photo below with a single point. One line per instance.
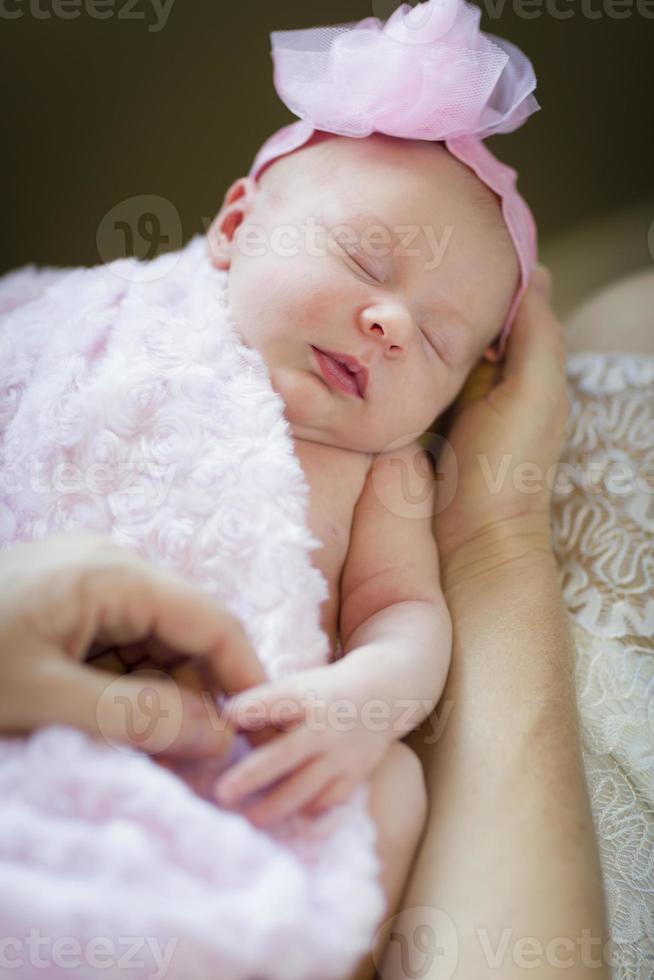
(97, 111)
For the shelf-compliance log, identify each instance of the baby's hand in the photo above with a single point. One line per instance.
(326, 753)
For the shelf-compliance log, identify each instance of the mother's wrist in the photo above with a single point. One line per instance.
(508, 546)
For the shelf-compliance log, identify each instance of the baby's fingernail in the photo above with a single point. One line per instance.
(258, 818)
(223, 792)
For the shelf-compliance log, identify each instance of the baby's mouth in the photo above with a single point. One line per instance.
(338, 373)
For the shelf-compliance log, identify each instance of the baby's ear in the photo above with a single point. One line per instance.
(236, 206)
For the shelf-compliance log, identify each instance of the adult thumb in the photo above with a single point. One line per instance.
(541, 279)
(536, 344)
(145, 710)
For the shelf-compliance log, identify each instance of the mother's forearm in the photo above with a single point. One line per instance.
(509, 851)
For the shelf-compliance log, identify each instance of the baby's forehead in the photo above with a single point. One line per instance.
(402, 173)
(417, 176)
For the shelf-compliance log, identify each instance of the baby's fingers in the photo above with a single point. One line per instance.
(265, 704)
(335, 792)
(293, 794)
(265, 765)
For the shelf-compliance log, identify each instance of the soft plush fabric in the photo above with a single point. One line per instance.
(140, 367)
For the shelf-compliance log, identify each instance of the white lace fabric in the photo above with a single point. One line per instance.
(603, 532)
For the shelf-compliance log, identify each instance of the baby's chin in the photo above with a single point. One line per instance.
(306, 403)
(309, 422)
(317, 417)
(317, 414)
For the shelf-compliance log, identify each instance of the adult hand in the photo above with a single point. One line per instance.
(60, 595)
(505, 433)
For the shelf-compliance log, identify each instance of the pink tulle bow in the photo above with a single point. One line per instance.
(428, 73)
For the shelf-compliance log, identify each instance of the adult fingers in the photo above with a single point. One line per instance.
(99, 591)
(145, 710)
(535, 355)
(479, 382)
(137, 600)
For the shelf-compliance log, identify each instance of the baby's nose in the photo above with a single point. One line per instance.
(391, 326)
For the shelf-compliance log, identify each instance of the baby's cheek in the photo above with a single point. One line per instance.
(261, 299)
(315, 288)
(455, 349)
(444, 393)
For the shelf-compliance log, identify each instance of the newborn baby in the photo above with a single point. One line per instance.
(408, 278)
(367, 274)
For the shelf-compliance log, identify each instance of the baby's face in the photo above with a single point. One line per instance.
(389, 251)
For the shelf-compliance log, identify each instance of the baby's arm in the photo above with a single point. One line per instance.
(395, 626)
(396, 633)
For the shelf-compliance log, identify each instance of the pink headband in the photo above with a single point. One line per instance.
(427, 73)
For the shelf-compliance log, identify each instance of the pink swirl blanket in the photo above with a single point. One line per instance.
(129, 405)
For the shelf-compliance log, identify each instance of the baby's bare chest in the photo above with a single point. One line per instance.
(336, 478)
